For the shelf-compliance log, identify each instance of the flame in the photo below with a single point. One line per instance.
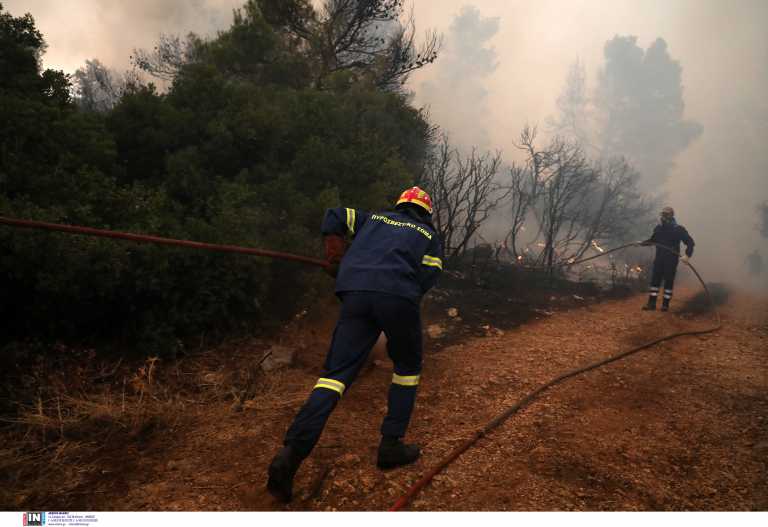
(596, 246)
(639, 269)
(519, 258)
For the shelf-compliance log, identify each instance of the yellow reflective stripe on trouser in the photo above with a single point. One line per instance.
(432, 261)
(351, 220)
(331, 384)
(405, 380)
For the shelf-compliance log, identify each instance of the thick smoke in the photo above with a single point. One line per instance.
(636, 111)
(456, 91)
(640, 104)
(698, 135)
(109, 31)
(719, 185)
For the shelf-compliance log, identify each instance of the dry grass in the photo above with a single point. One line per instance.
(54, 448)
(76, 422)
(90, 427)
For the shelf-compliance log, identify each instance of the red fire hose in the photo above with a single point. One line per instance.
(142, 238)
(498, 420)
(528, 399)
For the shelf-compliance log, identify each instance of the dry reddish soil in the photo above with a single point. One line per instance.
(681, 426)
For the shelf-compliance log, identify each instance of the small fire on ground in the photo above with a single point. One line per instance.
(597, 247)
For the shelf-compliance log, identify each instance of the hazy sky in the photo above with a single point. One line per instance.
(722, 46)
(109, 30)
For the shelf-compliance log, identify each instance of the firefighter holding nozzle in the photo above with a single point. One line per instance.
(669, 234)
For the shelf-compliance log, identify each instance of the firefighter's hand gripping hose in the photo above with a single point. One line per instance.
(528, 399)
(142, 238)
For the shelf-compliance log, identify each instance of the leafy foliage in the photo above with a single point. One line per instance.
(341, 42)
(243, 148)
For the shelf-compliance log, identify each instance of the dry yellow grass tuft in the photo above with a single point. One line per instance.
(56, 446)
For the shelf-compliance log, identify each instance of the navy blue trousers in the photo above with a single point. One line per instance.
(664, 270)
(364, 316)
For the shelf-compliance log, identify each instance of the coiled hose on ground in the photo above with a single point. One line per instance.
(528, 399)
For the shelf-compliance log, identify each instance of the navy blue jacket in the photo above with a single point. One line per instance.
(671, 234)
(391, 252)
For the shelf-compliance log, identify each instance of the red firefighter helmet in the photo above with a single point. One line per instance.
(417, 196)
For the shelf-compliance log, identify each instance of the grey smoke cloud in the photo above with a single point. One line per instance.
(641, 101)
(715, 180)
(79, 30)
(465, 63)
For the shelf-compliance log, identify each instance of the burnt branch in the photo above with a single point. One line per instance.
(464, 192)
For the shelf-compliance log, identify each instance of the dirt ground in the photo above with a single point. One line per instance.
(681, 426)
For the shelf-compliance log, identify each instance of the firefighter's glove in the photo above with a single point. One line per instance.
(335, 247)
(684, 258)
(331, 269)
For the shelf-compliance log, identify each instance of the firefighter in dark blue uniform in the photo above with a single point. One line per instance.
(669, 234)
(393, 259)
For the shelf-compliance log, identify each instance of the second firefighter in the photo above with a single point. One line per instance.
(669, 234)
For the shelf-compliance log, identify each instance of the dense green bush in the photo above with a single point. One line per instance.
(242, 149)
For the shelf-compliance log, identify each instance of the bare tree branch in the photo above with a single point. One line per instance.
(168, 57)
(575, 204)
(464, 192)
(370, 38)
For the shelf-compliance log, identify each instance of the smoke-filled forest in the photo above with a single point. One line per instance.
(140, 374)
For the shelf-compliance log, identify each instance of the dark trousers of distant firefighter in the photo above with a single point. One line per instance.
(664, 270)
(364, 316)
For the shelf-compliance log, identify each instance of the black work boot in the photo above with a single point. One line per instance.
(281, 472)
(394, 453)
(665, 304)
(651, 305)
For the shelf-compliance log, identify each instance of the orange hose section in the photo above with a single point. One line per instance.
(141, 238)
